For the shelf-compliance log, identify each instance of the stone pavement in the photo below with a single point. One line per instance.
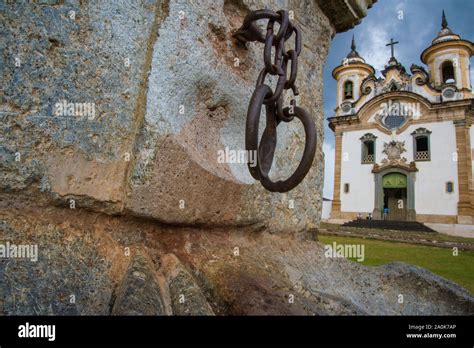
(458, 230)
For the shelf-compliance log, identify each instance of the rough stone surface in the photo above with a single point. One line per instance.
(139, 63)
(69, 264)
(178, 152)
(271, 274)
(139, 292)
(344, 16)
(186, 296)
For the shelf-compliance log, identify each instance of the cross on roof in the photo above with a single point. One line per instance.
(391, 44)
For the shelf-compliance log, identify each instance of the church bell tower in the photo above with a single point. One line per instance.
(448, 62)
(349, 76)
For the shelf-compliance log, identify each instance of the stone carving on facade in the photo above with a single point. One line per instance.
(421, 131)
(368, 84)
(423, 77)
(394, 150)
(394, 85)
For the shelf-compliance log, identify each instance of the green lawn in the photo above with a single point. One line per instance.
(441, 261)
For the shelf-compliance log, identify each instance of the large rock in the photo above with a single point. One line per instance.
(193, 68)
(69, 277)
(139, 292)
(186, 295)
(117, 265)
(166, 97)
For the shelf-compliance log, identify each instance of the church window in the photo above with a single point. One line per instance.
(421, 144)
(449, 187)
(368, 148)
(348, 90)
(346, 188)
(393, 114)
(447, 71)
(422, 152)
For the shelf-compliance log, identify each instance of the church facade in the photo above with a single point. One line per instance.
(403, 142)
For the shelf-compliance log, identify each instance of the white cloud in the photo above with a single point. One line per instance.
(372, 47)
(399, 23)
(329, 153)
(400, 6)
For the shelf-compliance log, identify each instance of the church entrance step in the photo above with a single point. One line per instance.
(390, 225)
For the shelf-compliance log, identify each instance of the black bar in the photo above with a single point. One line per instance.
(256, 330)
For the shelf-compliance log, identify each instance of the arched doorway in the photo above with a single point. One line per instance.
(395, 196)
(395, 188)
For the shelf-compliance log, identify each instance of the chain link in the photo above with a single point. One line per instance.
(273, 100)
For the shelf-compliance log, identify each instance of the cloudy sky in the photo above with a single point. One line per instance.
(414, 23)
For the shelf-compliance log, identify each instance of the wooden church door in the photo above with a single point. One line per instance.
(397, 202)
(395, 196)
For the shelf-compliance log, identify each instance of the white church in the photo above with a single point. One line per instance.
(404, 141)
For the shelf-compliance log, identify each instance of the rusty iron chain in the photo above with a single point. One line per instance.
(273, 100)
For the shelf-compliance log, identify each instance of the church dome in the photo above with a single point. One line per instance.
(445, 31)
(445, 34)
(353, 63)
(353, 56)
